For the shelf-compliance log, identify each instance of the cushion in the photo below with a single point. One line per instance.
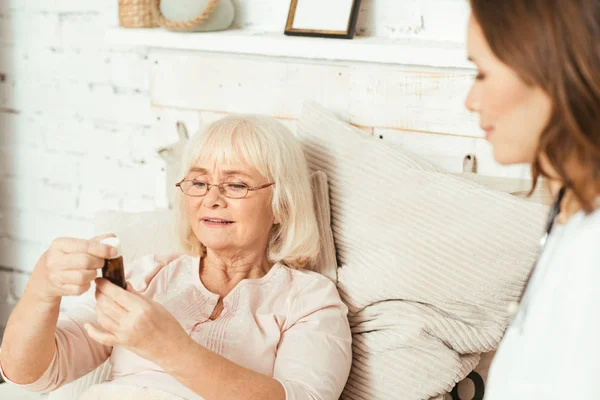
(13, 392)
(153, 232)
(428, 261)
(141, 233)
(73, 390)
(128, 392)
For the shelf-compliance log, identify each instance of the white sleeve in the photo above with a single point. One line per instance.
(315, 351)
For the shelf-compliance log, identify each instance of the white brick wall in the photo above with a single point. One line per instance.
(75, 118)
(77, 131)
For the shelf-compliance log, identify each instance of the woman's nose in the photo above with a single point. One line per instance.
(213, 197)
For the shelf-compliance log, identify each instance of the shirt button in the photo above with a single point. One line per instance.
(512, 308)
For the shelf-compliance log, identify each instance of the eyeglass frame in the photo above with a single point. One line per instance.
(221, 188)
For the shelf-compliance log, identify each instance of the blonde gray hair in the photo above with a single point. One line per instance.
(271, 148)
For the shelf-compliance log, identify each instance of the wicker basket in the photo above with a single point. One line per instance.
(137, 14)
(146, 14)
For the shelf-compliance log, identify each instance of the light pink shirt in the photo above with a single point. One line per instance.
(290, 325)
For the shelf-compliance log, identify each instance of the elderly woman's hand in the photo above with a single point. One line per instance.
(134, 322)
(68, 267)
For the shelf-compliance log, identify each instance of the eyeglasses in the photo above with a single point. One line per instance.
(196, 188)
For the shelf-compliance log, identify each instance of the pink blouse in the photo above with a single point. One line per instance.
(289, 324)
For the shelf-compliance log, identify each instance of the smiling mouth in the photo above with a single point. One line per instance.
(217, 221)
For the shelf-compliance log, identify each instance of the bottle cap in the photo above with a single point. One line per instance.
(113, 242)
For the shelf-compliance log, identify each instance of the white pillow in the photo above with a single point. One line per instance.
(141, 233)
(153, 232)
(428, 261)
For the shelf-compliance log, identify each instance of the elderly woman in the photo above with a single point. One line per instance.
(236, 318)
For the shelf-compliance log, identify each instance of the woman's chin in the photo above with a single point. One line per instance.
(217, 245)
(212, 245)
(505, 156)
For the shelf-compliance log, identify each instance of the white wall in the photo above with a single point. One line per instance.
(74, 116)
(77, 131)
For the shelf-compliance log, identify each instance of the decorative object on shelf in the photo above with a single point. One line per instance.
(329, 19)
(196, 15)
(172, 155)
(137, 14)
(177, 15)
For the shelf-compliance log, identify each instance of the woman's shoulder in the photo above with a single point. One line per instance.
(583, 233)
(578, 252)
(313, 295)
(304, 279)
(311, 288)
(591, 222)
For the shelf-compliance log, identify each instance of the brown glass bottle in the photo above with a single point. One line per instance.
(113, 269)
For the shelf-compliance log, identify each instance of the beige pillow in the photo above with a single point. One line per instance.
(153, 232)
(141, 233)
(428, 261)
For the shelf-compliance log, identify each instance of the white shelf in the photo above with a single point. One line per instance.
(360, 49)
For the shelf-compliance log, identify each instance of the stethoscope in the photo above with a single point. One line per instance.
(518, 309)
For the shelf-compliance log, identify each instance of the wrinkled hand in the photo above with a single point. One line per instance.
(130, 320)
(68, 267)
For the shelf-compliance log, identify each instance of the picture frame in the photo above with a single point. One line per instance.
(323, 18)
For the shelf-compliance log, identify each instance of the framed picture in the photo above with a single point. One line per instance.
(323, 18)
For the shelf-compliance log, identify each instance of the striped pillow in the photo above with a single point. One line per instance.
(428, 261)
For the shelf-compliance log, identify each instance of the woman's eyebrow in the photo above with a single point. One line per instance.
(230, 172)
(236, 172)
(198, 169)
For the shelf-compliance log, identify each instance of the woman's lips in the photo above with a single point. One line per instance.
(215, 222)
(488, 131)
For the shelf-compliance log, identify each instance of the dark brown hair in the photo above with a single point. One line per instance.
(555, 45)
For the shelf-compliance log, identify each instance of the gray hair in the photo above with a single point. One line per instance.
(271, 148)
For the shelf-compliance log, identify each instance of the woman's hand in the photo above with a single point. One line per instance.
(136, 323)
(68, 267)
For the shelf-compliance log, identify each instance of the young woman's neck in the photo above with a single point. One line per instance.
(570, 205)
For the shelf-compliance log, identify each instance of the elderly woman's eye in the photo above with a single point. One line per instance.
(237, 186)
(199, 184)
